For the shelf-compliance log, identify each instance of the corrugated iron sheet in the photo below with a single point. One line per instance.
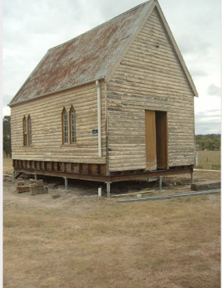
(83, 59)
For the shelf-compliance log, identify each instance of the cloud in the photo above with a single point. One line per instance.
(32, 27)
(208, 113)
(208, 128)
(207, 122)
(197, 72)
(214, 90)
(7, 99)
(194, 44)
(6, 111)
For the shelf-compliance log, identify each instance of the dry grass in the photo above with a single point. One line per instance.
(209, 160)
(7, 165)
(85, 241)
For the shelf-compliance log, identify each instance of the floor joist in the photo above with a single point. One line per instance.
(106, 178)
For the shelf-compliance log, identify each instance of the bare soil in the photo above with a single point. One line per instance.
(75, 239)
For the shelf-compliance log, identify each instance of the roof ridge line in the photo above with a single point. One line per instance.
(128, 11)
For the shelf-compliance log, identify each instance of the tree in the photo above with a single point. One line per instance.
(7, 136)
(209, 142)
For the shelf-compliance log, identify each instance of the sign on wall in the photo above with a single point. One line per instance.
(95, 132)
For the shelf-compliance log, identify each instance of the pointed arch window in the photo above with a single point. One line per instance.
(29, 130)
(72, 124)
(25, 138)
(65, 131)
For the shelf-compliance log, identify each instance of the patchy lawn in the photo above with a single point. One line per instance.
(85, 241)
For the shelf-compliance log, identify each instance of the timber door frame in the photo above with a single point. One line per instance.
(150, 132)
(162, 142)
(156, 137)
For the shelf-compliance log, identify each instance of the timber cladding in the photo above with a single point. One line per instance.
(47, 127)
(147, 101)
(149, 77)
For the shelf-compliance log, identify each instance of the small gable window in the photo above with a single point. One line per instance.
(65, 133)
(25, 138)
(72, 123)
(29, 130)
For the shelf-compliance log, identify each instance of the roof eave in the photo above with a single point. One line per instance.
(54, 92)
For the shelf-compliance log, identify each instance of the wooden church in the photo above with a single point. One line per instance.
(113, 104)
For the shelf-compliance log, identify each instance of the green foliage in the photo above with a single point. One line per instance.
(7, 136)
(209, 142)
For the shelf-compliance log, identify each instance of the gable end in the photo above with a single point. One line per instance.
(155, 6)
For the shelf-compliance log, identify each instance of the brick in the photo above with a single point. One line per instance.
(22, 189)
(32, 180)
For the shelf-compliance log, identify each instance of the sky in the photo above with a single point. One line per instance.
(30, 28)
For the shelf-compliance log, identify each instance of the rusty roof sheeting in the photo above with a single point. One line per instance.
(85, 58)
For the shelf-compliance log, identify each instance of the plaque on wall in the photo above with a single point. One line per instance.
(95, 132)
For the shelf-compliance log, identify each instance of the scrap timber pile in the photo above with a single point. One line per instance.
(35, 187)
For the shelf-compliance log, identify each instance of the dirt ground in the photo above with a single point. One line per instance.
(76, 239)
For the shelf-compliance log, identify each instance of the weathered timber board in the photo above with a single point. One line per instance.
(149, 77)
(207, 185)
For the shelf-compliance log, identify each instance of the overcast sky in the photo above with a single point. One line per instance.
(30, 28)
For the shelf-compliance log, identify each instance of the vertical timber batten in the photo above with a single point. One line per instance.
(99, 118)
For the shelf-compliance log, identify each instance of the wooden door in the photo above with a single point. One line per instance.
(161, 139)
(150, 126)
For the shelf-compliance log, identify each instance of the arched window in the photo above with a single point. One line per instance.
(65, 133)
(72, 124)
(29, 130)
(24, 132)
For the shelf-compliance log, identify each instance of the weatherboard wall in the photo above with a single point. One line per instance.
(149, 76)
(46, 112)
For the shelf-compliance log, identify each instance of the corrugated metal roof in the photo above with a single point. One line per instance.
(85, 58)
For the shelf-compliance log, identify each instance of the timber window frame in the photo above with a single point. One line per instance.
(25, 136)
(72, 125)
(29, 130)
(65, 127)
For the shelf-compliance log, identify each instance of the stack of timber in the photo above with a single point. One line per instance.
(36, 187)
(207, 185)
